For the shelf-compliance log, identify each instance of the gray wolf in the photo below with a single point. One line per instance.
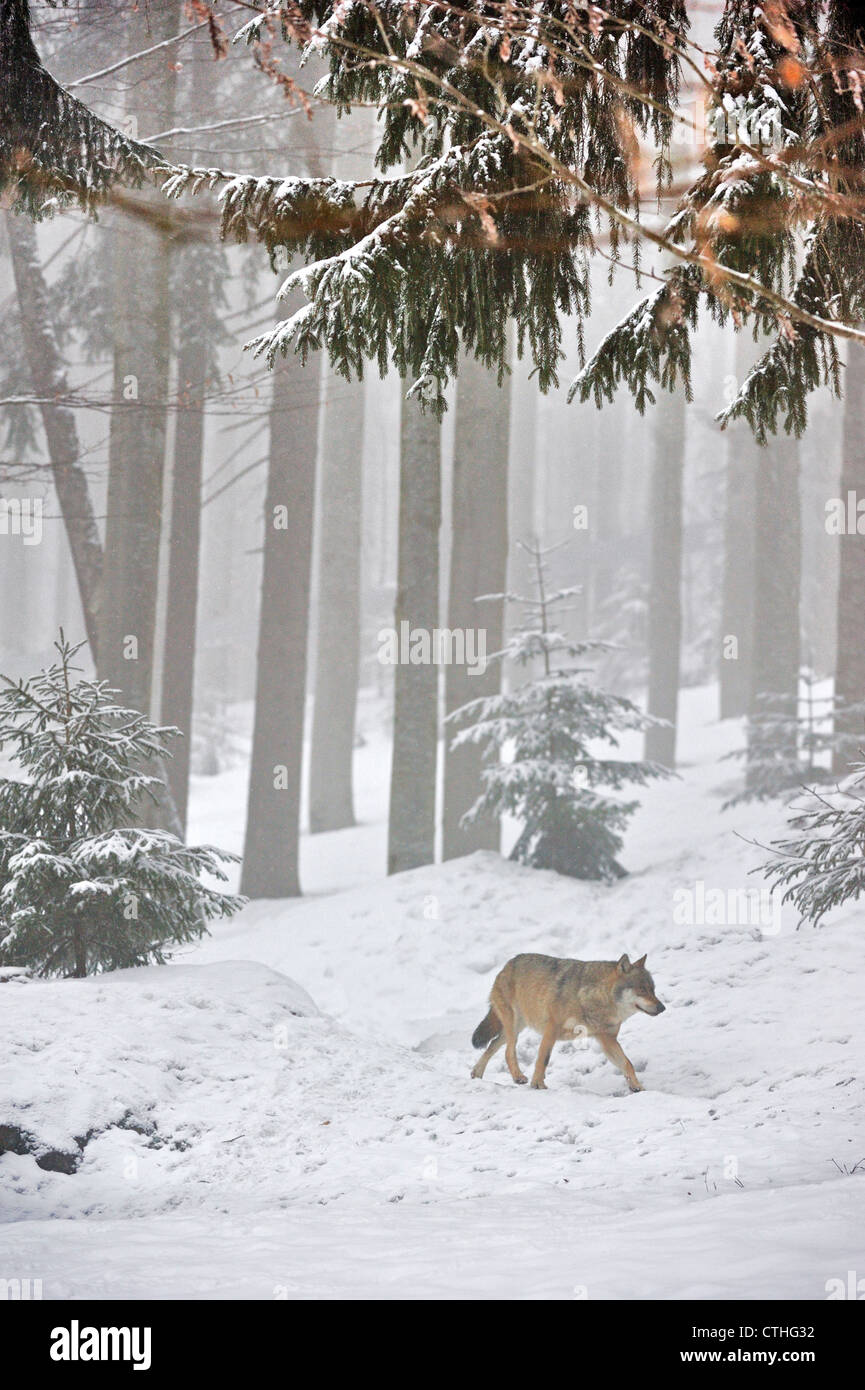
(563, 999)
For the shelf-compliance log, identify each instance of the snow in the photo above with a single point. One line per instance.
(247, 1141)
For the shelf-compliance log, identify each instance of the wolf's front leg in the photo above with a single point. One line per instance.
(543, 1059)
(618, 1059)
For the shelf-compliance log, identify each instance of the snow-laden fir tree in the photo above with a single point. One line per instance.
(544, 744)
(821, 862)
(54, 152)
(82, 889)
(526, 127)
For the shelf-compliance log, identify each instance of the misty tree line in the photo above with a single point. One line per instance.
(691, 537)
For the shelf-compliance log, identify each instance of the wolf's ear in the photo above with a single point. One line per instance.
(638, 964)
(623, 965)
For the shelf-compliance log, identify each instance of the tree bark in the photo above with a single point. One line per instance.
(142, 350)
(522, 450)
(181, 610)
(737, 599)
(197, 269)
(338, 626)
(411, 828)
(606, 523)
(50, 385)
(478, 565)
(665, 576)
(272, 846)
(777, 575)
(850, 659)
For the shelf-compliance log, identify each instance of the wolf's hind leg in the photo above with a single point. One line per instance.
(510, 1023)
(543, 1058)
(618, 1059)
(480, 1065)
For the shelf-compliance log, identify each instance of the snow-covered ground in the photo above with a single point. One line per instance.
(243, 1140)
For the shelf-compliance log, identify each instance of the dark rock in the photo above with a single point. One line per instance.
(14, 1140)
(55, 1161)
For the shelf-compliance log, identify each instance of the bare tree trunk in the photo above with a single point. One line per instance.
(777, 574)
(478, 565)
(665, 576)
(411, 828)
(181, 611)
(521, 468)
(743, 457)
(338, 628)
(198, 270)
(522, 472)
(606, 524)
(844, 104)
(142, 349)
(272, 846)
(850, 659)
(50, 385)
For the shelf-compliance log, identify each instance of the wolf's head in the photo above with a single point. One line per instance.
(635, 988)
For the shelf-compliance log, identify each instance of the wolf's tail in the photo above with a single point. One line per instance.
(487, 1029)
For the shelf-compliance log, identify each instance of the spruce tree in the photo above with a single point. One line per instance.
(54, 152)
(529, 123)
(771, 232)
(820, 863)
(540, 743)
(82, 888)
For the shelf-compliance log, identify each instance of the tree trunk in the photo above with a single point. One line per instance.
(522, 454)
(850, 659)
(142, 349)
(478, 565)
(272, 846)
(50, 385)
(338, 628)
(743, 457)
(181, 605)
(606, 525)
(665, 576)
(411, 829)
(196, 269)
(777, 573)
(79, 951)
(522, 472)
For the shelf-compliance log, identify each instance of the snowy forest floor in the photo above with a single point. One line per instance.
(243, 1140)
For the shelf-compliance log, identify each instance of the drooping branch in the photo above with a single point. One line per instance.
(527, 127)
(53, 150)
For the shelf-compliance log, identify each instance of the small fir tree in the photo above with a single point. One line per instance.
(821, 863)
(552, 777)
(81, 888)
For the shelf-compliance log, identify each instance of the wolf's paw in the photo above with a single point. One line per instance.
(521, 1080)
(635, 1086)
(476, 1074)
(539, 1086)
